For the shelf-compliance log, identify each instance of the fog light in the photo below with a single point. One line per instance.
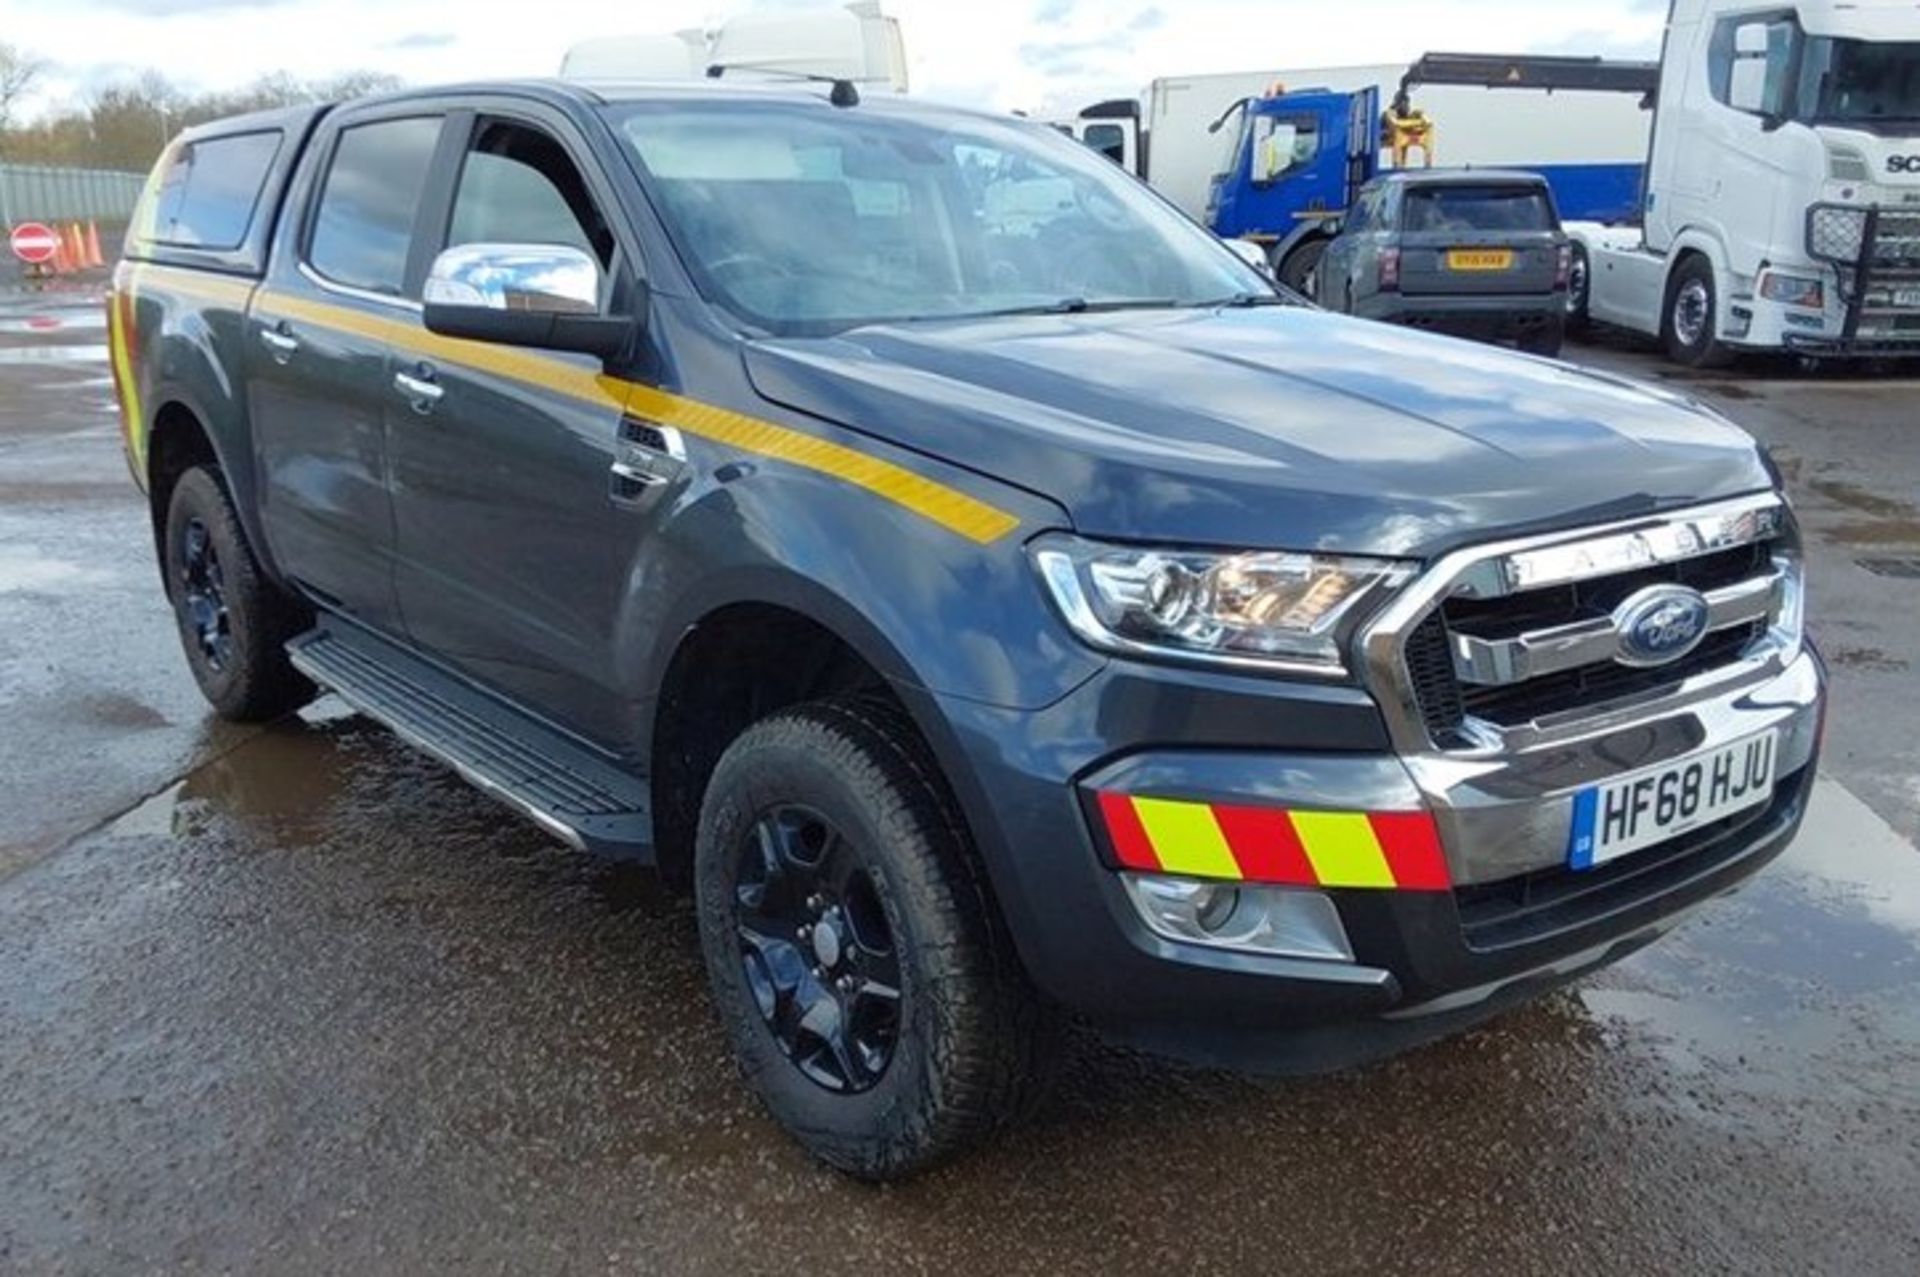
(1280, 921)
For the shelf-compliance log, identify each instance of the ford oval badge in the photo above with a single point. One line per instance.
(1660, 624)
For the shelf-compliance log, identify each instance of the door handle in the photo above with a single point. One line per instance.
(422, 392)
(280, 342)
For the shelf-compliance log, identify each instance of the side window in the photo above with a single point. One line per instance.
(363, 225)
(517, 186)
(1282, 145)
(1360, 216)
(1108, 139)
(206, 197)
(1750, 63)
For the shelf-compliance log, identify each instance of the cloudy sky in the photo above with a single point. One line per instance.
(996, 53)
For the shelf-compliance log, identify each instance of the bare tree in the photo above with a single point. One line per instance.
(18, 72)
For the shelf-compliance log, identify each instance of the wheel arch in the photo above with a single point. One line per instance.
(736, 657)
(182, 434)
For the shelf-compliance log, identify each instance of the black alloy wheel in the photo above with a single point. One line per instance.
(816, 950)
(203, 596)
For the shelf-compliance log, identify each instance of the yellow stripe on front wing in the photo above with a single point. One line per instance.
(1186, 838)
(1343, 849)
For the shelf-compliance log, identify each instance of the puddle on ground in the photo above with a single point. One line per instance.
(24, 569)
(74, 321)
(66, 354)
(1855, 497)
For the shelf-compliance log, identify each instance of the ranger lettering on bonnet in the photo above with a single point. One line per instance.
(983, 591)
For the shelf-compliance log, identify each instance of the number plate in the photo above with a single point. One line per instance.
(1635, 812)
(1907, 298)
(1480, 259)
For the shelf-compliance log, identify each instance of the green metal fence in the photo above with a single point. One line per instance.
(44, 193)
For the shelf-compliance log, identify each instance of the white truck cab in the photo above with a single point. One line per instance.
(1782, 209)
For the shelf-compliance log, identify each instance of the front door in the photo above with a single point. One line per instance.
(317, 362)
(515, 533)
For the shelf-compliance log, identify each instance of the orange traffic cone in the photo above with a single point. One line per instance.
(62, 264)
(76, 246)
(94, 257)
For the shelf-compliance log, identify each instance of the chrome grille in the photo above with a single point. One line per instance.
(1525, 636)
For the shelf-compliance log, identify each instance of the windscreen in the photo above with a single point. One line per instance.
(1459, 209)
(1860, 83)
(803, 218)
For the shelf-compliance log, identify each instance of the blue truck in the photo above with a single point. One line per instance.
(1287, 160)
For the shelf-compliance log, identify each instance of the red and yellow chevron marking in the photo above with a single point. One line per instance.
(1393, 850)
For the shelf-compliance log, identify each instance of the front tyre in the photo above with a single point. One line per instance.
(855, 958)
(1691, 329)
(234, 623)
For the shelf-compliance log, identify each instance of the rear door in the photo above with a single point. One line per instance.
(1473, 239)
(517, 519)
(341, 285)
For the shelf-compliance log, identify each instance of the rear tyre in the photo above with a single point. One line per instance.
(1691, 329)
(1547, 341)
(234, 623)
(857, 963)
(1579, 293)
(1300, 270)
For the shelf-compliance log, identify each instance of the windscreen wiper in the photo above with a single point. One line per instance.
(1246, 301)
(1072, 306)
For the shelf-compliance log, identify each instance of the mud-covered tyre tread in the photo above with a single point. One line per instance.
(995, 1056)
(260, 684)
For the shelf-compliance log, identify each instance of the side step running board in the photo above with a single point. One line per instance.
(568, 789)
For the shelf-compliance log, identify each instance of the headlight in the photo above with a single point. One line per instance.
(1793, 290)
(1257, 610)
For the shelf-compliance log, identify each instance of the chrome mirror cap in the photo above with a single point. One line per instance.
(540, 278)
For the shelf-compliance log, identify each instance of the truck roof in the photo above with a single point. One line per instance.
(1462, 177)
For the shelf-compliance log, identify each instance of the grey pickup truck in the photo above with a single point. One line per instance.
(991, 599)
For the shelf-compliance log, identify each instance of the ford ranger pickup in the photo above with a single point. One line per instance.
(990, 597)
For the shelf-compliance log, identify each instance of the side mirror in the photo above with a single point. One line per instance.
(542, 295)
(1252, 254)
(1747, 89)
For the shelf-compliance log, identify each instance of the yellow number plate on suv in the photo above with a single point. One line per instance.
(1480, 259)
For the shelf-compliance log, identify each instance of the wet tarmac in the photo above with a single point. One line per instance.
(296, 1000)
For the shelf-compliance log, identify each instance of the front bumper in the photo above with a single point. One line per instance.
(1424, 962)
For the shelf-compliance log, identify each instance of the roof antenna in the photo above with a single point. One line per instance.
(844, 94)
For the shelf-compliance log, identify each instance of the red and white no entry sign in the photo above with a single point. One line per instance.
(34, 243)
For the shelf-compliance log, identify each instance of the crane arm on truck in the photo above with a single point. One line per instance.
(1528, 71)
(1403, 128)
